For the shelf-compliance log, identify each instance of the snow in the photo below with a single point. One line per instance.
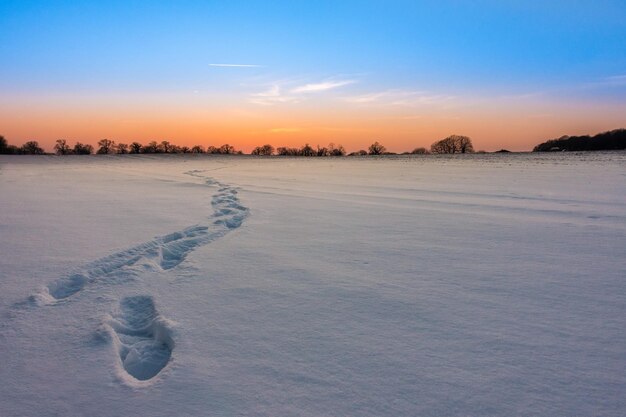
(395, 286)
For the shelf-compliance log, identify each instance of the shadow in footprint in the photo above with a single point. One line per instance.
(143, 337)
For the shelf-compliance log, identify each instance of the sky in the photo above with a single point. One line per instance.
(509, 74)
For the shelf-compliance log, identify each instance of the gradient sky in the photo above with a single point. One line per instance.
(509, 74)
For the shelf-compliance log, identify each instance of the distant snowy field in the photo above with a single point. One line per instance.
(486, 285)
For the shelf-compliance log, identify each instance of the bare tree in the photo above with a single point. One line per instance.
(165, 147)
(31, 148)
(265, 150)
(197, 149)
(135, 147)
(464, 144)
(307, 150)
(336, 150)
(151, 147)
(106, 146)
(285, 151)
(453, 144)
(227, 149)
(376, 149)
(62, 148)
(122, 148)
(83, 149)
(322, 151)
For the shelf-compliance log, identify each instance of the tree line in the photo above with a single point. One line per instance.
(611, 140)
(450, 145)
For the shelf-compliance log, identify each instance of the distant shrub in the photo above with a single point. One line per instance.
(419, 151)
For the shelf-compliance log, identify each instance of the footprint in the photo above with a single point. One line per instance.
(142, 336)
(65, 287)
(167, 251)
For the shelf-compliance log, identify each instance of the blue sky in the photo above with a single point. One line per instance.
(505, 46)
(367, 50)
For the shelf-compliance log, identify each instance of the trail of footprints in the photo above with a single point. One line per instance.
(143, 338)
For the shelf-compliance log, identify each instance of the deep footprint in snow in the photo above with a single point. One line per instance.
(142, 336)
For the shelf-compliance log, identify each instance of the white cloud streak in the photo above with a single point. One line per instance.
(319, 87)
(278, 93)
(400, 98)
(271, 96)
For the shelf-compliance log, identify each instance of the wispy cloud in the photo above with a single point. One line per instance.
(400, 98)
(271, 96)
(291, 91)
(236, 65)
(323, 86)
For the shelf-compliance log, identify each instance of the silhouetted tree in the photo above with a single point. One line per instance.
(611, 140)
(212, 150)
(322, 151)
(336, 150)
(106, 146)
(165, 147)
(151, 147)
(185, 149)
(227, 149)
(197, 149)
(285, 151)
(464, 144)
(135, 147)
(307, 150)
(6, 149)
(419, 151)
(265, 150)
(361, 152)
(453, 144)
(376, 149)
(31, 148)
(83, 149)
(62, 148)
(122, 148)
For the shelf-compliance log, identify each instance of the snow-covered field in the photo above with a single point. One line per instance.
(485, 285)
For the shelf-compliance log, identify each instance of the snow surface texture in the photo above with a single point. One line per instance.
(476, 285)
(168, 251)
